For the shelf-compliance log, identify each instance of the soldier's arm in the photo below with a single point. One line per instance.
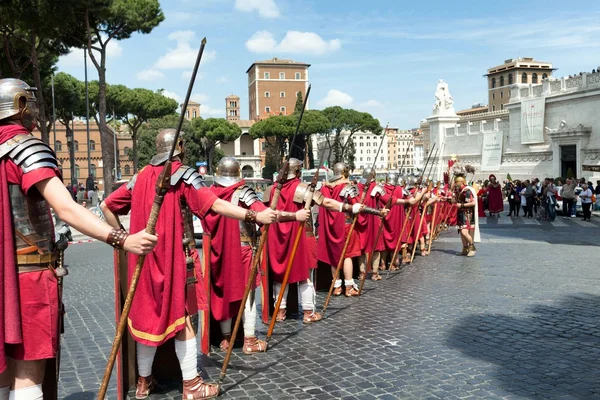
(227, 209)
(111, 218)
(79, 217)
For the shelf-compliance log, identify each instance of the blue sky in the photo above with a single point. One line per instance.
(383, 57)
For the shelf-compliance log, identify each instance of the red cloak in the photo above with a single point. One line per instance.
(281, 239)
(392, 224)
(495, 203)
(229, 264)
(368, 225)
(159, 307)
(481, 210)
(332, 235)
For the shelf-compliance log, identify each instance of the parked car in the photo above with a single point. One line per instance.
(198, 231)
(559, 201)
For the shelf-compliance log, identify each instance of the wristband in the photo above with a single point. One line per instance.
(285, 216)
(250, 216)
(116, 238)
(356, 208)
(341, 207)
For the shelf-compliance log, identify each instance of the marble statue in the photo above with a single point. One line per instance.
(444, 104)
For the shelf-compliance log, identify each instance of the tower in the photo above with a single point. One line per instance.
(232, 107)
(192, 111)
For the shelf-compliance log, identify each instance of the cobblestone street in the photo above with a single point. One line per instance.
(519, 320)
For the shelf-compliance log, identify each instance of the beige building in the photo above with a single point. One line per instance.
(192, 111)
(232, 107)
(523, 70)
(273, 86)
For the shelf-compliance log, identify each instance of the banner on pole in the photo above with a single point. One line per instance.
(491, 151)
(532, 120)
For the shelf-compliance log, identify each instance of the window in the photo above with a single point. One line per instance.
(126, 151)
(360, 144)
(368, 158)
(493, 83)
(282, 75)
(267, 94)
(524, 78)
(297, 75)
(268, 110)
(76, 171)
(187, 114)
(361, 159)
(534, 78)
(282, 109)
(262, 146)
(281, 94)
(368, 151)
(544, 76)
(368, 144)
(267, 75)
(92, 170)
(510, 79)
(502, 106)
(381, 158)
(493, 108)
(58, 146)
(194, 114)
(92, 146)
(233, 104)
(493, 96)
(76, 145)
(501, 81)
(501, 95)
(361, 138)
(127, 169)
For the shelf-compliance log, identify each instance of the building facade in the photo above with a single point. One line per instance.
(549, 129)
(523, 70)
(273, 86)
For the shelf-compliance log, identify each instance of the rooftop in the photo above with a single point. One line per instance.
(277, 61)
(472, 110)
(520, 62)
(232, 96)
(243, 123)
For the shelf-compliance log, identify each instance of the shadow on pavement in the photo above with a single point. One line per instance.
(552, 352)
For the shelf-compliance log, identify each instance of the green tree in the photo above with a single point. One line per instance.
(345, 123)
(313, 123)
(211, 132)
(134, 107)
(570, 173)
(107, 20)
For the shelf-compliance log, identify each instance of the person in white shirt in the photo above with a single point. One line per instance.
(586, 202)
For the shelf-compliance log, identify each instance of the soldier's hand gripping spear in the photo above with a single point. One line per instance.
(388, 206)
(257, 255)
(363, 196)
(162, 186)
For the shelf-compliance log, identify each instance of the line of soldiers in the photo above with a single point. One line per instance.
(169, 294)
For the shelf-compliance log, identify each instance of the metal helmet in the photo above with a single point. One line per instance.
(402, 181)
(12, 91)
(340, 170)
(294, 168)
(391, 177)
(164, 142)
(411, 182)
(366, 175)
(228, 171)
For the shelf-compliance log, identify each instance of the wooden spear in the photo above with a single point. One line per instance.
(162, 186)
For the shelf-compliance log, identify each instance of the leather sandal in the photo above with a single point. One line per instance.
(311, 316)
(197, 389)
(144, 386)
(253, 345)
(375, 276)
(224, 345)
(351, 291)
(281, 315)
(337, 291)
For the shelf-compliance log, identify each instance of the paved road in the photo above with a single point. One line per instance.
(521, 320)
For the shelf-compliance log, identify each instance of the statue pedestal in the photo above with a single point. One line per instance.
(437, 133)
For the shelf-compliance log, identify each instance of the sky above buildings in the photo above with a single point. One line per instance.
(380, 56)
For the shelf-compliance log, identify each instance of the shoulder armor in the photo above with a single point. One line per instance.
(349, 192)
(246, 195)
(189, 176)
(29, 153)
(318, 197)
(377, 190)
(301, 193)
(131, 182)
(405, 193)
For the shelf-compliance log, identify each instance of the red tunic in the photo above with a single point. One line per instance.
(230, 262)
(392, 224)
(29, 301)
(481, 210)
(159, 307)
(281, 239)
(334, 229)
(495, 203)
(368, 225)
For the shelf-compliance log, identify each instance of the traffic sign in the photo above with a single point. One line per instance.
(202, 170)
(201, 164)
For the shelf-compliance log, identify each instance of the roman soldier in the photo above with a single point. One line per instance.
(367, 225)
(414, 234)
(165, 304)
(467, 219)
(31, 254)
(334, 228)
(392, 224)
(281, 236)
(232, 246)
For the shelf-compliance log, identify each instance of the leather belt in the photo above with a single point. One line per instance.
(310, 234)
(31, 268)
(246, 239)
(36, 259)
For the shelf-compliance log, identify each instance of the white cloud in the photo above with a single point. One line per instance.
(372, 104)
(222, 79)
(265, 8)
(294, 42)
(335, 98)
(206, 110)
(150, 75)
(172, 95)
(183, 56)
(74, 59)
(199, 97)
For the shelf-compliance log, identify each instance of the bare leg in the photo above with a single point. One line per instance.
(348, 269)
(28, 373)
(188, 332)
